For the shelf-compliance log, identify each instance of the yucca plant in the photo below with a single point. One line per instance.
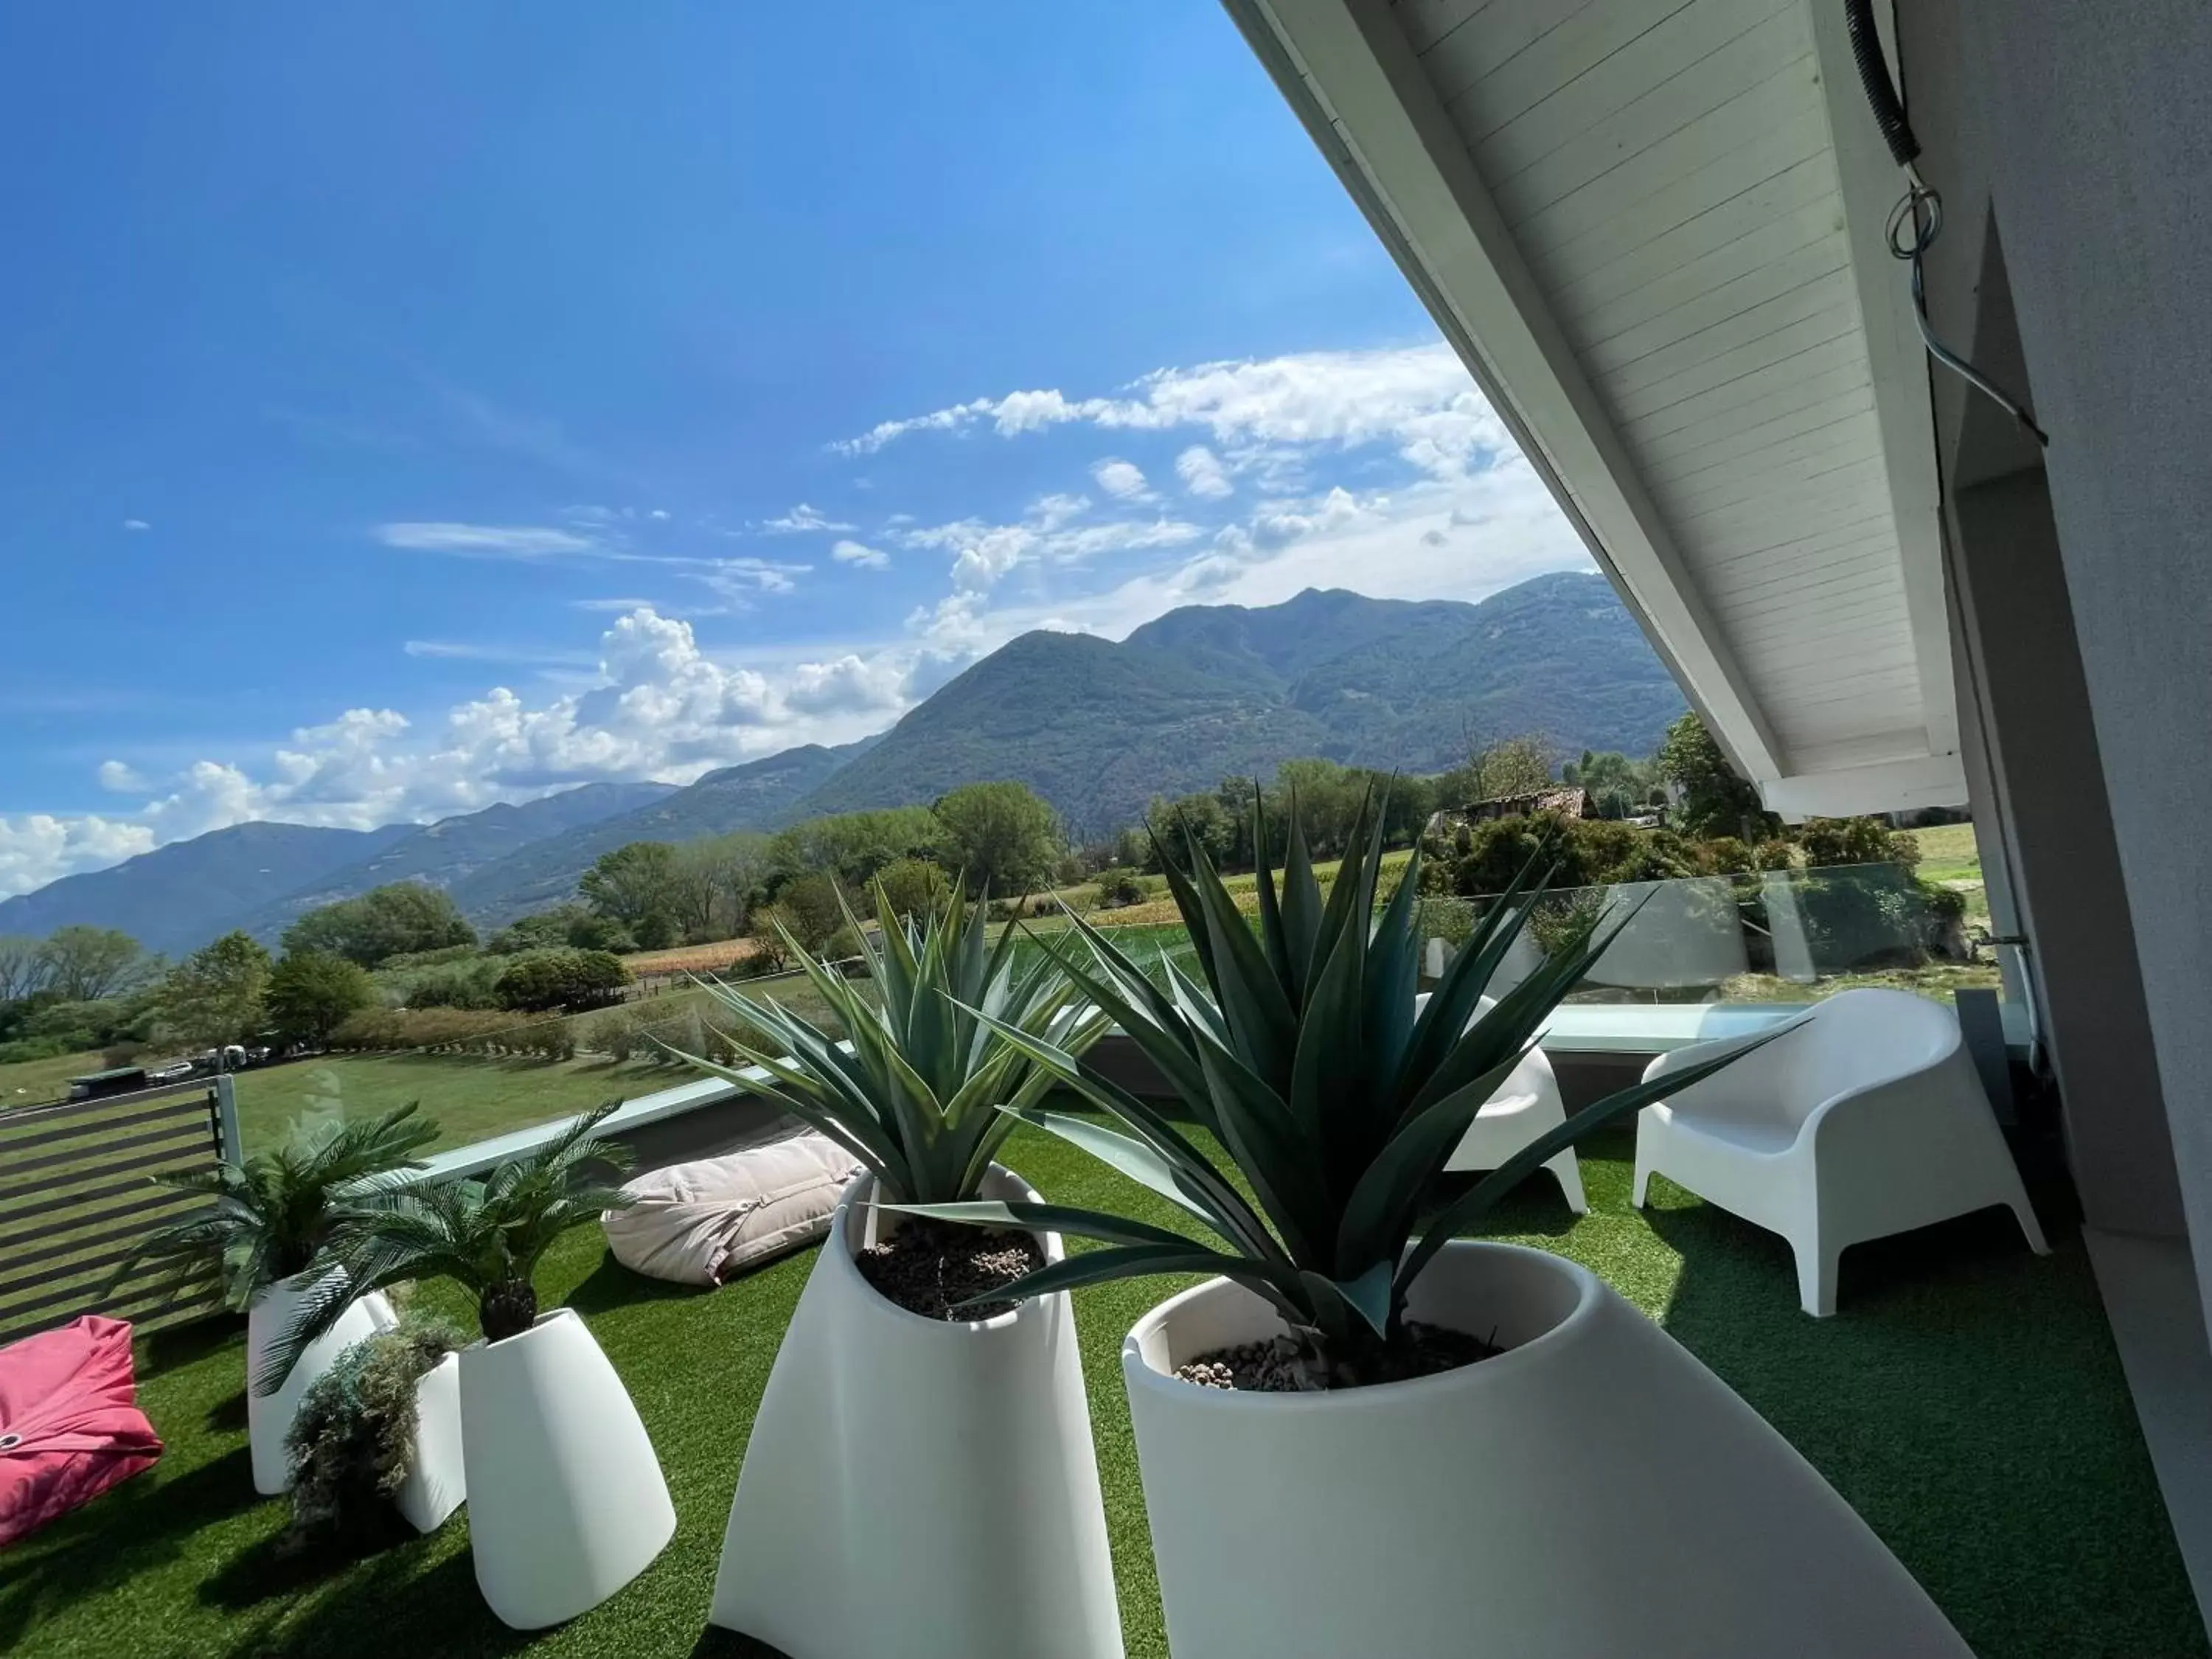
(485, 1235)
(273, 1213)
(1302, 1055)
(935, 1052)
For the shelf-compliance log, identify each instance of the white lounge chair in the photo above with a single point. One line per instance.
(1525, 1106)
(1865, 1120)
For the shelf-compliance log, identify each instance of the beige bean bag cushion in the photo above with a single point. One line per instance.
(705, 1223)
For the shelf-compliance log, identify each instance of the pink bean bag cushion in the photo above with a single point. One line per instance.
(69, 1426)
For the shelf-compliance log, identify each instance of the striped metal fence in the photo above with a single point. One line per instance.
(77, 1197)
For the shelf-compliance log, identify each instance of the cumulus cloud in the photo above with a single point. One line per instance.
(1202, 473)
(119, 778)
(1419, 400)
(847, 686)
(860, 554)
(37, 847)
(137, 524)
(1123, 480)
(803, 518)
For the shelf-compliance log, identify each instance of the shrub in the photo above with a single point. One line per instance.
(451, 1029)
(1830, 841)
(454, 988)
(353, 1440)
(311, 995)
(657, 932)
(561, 979)
(23, 1050)
(1118, 887)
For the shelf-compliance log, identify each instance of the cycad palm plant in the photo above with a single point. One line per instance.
(1302, 1053)
(486, 1235)
(275, 1213)
(934, 1053)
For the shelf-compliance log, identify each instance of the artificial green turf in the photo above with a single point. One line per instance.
(1967, 1400)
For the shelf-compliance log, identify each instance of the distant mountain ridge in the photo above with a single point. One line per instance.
(177, 898)
(1096, 727)
(446, 852)
(1205, 691)
(761, 794)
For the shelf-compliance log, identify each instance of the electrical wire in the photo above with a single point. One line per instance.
(1917, 219)
(1914, 224)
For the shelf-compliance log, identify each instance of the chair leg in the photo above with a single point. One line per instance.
(1642, 1178)
(1568, 1172)
(2025, 1212)
(1817, 1264)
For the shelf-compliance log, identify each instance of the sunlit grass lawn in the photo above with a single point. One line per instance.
(29, 1082)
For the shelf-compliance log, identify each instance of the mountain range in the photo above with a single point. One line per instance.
(1096, 727)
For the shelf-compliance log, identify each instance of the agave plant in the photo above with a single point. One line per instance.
(930, 1057)
(486, 1235)
(275, 1212)
(1302, 1053)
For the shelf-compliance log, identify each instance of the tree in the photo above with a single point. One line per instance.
(561, 979)
(915, 887)
(718, 880)
(809, 910)
(633, 883)
(854, 846)
(215, 996)
(312, 994)
(397, 921)
(1004, 838)
(89, 964)
(1202, 817)
(23, 967)
(1716, 799)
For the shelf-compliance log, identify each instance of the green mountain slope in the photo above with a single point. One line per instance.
(177, 898)
(1099, 728)
(450, 850)
(761, 794)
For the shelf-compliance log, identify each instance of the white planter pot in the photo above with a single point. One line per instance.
(566, 1500)
(269, 1417)
(436, 1481)
(1595, 1491)
(918, 1487)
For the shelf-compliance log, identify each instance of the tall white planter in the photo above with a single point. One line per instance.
(566, 1500)
(918, 1487)
(437, 1481)
(269, 1417)
(1593, 1492)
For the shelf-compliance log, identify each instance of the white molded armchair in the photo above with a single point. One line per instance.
(1526, 1105)
(1865, 1120)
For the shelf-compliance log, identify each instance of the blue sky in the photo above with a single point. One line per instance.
(415, 405)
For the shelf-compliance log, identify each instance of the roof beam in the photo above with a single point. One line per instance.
(1347, 70)
(1891, 786)
(1872, 184)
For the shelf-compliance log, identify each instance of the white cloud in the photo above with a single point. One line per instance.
(858, 553)
(803, 518)
(659, 513)
(1123, 480)
(1419, 400)
(117, 776)
(137, 524)
(1202, 473)
(37, 847)
(483, 540)
(847, 686)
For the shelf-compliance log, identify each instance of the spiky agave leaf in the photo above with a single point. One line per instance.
(272, 1214)
(915, 1088)
(1337, 1101)
(483, 1233)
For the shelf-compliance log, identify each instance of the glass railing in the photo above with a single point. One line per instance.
(1766, 936)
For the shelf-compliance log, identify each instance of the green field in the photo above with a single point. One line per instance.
(1948, 852)
(32, 1081)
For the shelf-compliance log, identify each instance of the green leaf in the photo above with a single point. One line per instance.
(1471, 1207)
